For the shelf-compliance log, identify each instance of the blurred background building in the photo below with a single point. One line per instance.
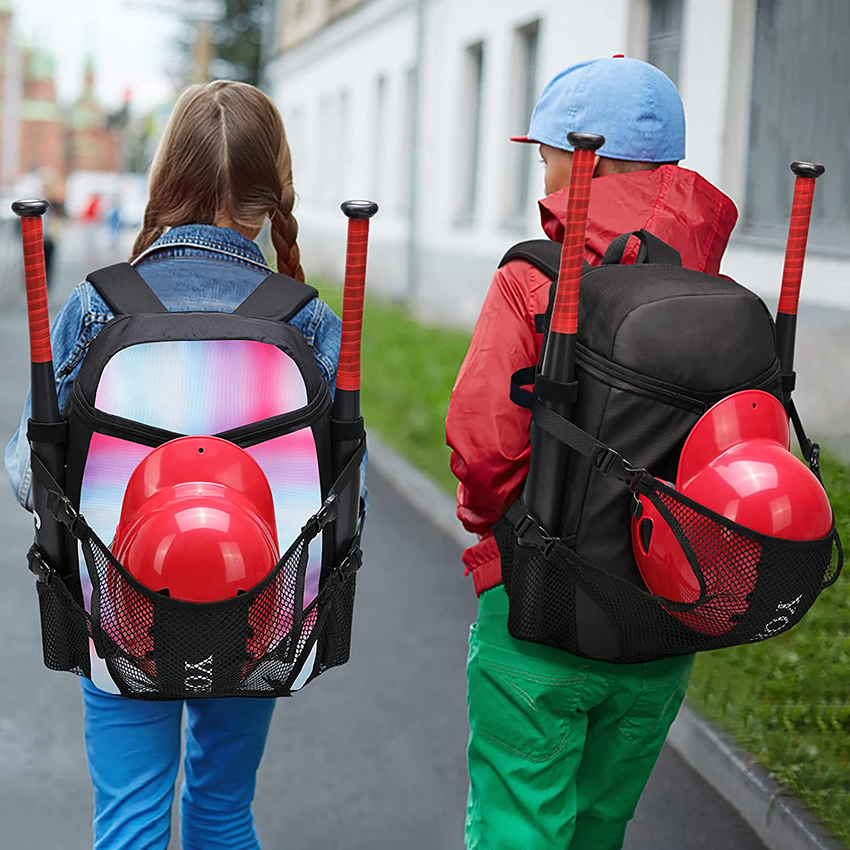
(40, 137)
(411, 102)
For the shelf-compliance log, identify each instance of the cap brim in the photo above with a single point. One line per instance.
(525, 139)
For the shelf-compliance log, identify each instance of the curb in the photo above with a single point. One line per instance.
(780, 820)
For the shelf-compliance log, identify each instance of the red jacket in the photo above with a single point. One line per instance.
(488, 434)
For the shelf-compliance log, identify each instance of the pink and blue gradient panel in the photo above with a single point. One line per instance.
(203, 387)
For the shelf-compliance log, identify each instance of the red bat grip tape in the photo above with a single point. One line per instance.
(795, 253)
(36, 278)
(565, 309)
(348, 373)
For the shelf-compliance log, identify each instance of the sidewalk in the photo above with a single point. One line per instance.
(371, 757)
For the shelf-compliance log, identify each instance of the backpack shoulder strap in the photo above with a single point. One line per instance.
(125, 290)
(278, 297)
(543, 254)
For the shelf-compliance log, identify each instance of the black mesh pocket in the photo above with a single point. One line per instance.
(335, 638)
(64, 630)
(751, 586)
(256, 644)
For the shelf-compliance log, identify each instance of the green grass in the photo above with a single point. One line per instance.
(787, 700)
(410, 371)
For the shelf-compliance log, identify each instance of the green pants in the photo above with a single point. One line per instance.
(560, 747)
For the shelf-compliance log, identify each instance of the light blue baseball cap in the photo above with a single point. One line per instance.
(632, 103)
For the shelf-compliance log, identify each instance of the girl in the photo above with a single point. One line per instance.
(223, 167)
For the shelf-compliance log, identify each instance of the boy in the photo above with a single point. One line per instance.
(562, 746)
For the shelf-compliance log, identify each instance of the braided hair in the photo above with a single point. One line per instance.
(224, 160)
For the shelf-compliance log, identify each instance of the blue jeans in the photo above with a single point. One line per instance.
(134, 753)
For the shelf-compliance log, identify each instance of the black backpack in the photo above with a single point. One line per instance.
(658, 345)
(151, 376)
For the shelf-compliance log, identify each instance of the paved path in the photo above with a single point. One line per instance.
(369, 758)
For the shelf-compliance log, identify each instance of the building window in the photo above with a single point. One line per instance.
(800, 74)
(472, 101)
(665, 35)
(523, 97)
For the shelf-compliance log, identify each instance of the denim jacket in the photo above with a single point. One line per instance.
(192, 267)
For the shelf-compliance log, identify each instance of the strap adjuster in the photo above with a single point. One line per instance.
(64, 512)
(349, 565)
(38, 566)
(605, 460)
(814, 459)
(530, 533)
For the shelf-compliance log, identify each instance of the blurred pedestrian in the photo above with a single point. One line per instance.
(561, 746)
(90, 218)
(115, 222)
(222, 169)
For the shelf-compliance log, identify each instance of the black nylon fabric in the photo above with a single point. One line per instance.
(125, 290)
(278, 297)
(657, 345)
(157, 648)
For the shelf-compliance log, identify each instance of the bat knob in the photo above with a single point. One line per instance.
(586, 141)
(359, 209)
(30, 207)
(807, 169)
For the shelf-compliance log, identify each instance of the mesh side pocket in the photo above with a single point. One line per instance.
(335, 639)
(542, 594)
(64, 630)
(752, 587)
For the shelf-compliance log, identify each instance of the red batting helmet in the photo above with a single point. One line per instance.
(197, 524)
(737, 463)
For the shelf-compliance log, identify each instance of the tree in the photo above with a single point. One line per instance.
(238, 36)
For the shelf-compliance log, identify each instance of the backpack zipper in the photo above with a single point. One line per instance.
(626, 379)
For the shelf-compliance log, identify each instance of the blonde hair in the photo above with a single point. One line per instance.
(224, 157)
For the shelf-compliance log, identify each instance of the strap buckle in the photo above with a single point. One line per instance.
(349, 565)
(530, 533)
(38, 566)
(814, 459)
(64, 512)
(327, 513)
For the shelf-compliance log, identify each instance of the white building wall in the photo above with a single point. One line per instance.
(334, 145)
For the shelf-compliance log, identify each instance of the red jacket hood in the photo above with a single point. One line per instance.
(673, 203)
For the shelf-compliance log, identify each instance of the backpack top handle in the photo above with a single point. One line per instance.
(652, 250)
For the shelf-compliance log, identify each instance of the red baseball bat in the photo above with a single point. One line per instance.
(795, 256)
(544, 487)
(49, 534)
(346, 407)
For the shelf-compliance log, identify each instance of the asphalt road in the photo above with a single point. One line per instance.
(371, 757)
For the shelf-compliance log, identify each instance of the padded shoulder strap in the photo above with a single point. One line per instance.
(652, 250)
(543, 254)
(278, 297)
(125, 290)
